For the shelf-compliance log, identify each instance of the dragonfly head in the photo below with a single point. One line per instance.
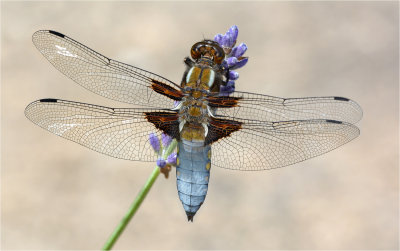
(208, 50)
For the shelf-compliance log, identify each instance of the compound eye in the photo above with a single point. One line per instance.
(187, 89)
(197, 50)
(219, 54)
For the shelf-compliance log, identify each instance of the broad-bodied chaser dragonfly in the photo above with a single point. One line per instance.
(242, 130)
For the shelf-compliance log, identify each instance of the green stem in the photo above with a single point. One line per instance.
(132, 210)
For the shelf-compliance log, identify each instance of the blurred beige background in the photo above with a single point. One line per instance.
(59, 195)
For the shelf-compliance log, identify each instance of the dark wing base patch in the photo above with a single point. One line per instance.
(166, 90)
(165, 121)
(223, 101)
(221, 128)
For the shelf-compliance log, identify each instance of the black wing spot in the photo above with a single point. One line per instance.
(334, 121)
(57, 33)
(48, 100)
(341, 98)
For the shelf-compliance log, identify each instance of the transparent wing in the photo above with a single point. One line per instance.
(123, 133)
(268, 145)
(120, 133)
(268, 108)
(99, 74)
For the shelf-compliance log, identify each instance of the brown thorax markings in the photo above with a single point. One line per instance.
(194, 113)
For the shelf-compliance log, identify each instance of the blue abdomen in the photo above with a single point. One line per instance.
(192, 175)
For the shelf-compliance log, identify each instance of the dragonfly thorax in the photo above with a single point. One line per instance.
(200, 77)
(193, 109)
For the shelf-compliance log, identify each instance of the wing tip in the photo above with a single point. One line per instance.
(29, 107)
(40, 33)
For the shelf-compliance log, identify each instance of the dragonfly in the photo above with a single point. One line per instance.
(233, 130)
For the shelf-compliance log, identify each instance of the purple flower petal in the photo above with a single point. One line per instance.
(171, 159)
(239, 50)
(218, 38)
(230, 42)
(233, 52)
(240, 63)
(230, 62)
(227, 89)
(232, 34)
(161, 162)
(225, 40)
(165, 139)
(234, 31)
(154, 142)
(230, 83)
(233, 75)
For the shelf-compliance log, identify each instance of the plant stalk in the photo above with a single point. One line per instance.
(132, 210)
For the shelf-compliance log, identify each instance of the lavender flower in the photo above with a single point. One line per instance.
(171, 159)
(154, 142)
(233, 33)
(227, 89)
(239, 50)
(233, 57)
(228, 40)
(231, 61)
(161, 162)
(233, 75)
(166, 155)
(165, 139)
(240, 63)
(218, 38)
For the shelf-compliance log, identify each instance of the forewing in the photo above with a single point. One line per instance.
(259, 107)
(99, 74)
(120, 133)
(268, 145)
